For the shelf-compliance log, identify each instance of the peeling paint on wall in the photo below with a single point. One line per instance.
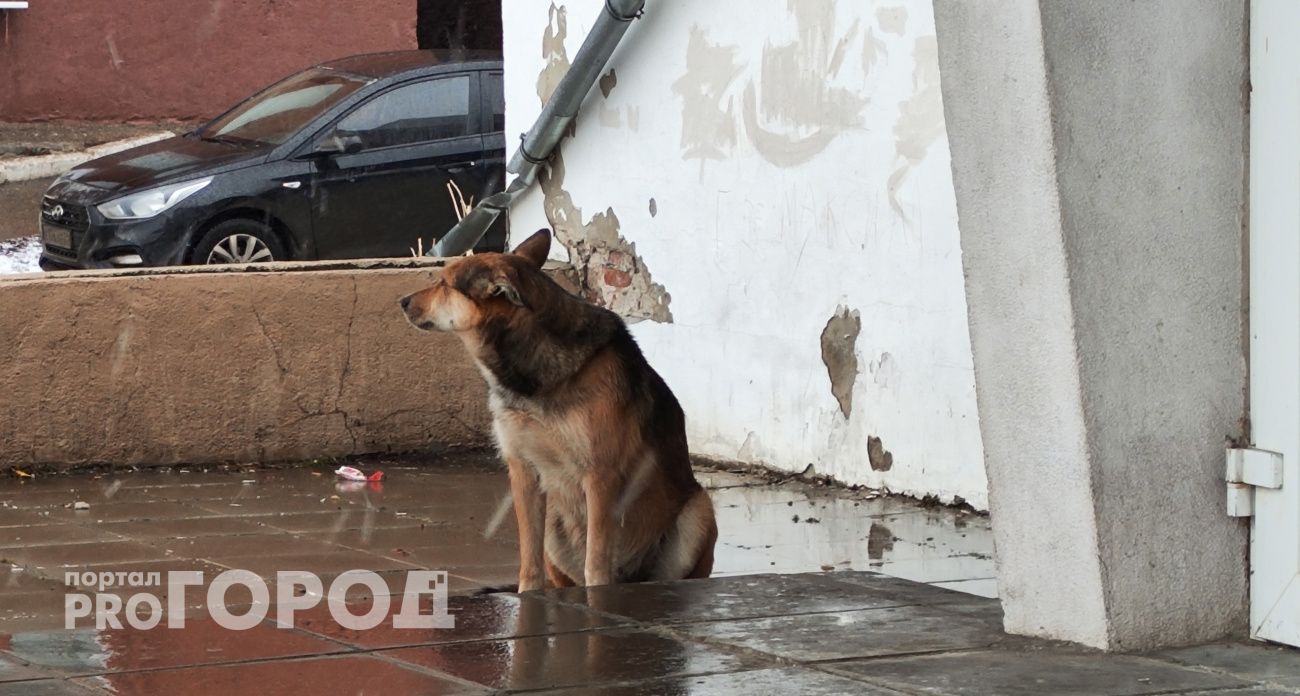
(708, 119)
(881, 458)
(611, 273)
(612, 116)
(793, 113)
(751, 450)
(839, 354)
(609, 118)
(607, 82)
(892, 19)
(873, 49)
(885, 371)
(920, 118)
(553, 52)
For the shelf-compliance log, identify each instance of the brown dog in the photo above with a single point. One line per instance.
(594, 439)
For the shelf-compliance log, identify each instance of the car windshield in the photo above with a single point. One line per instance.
(282, 109)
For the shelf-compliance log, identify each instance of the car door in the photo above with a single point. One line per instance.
(490, 170)
(398, 184)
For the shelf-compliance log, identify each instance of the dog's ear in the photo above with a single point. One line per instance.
(502, 287)
(536, 248)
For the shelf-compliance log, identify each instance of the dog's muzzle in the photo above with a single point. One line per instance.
(425, 325)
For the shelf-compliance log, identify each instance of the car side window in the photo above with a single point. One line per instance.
(497, 99)
(415, 113)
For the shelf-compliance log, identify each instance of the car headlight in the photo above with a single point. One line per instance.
(147, 204)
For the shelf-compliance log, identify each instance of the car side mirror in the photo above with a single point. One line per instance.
(338, 144)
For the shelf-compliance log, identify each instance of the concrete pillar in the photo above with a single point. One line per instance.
(1098, 152)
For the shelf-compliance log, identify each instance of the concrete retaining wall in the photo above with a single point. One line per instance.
(209, 366)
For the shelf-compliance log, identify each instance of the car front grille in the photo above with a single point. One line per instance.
(69, 215)
(64, 253)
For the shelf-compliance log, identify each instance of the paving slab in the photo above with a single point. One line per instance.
(866, 633)
(202, 641)
(1255, 661)
(982, 587)
(1255, 691)
(1033, 673)
(12, 670)
(151, 532)
(804, 682)
(47, 687)
(574, 659)
(340, 676)
(739, 597)
(80, 555)
(490, 617)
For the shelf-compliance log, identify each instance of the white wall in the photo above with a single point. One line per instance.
(798, 163)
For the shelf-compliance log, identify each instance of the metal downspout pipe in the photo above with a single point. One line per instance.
(550, 126)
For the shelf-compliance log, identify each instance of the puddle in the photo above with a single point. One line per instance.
(796, 527)
(445, 516)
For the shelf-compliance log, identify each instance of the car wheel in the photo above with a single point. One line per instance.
(239, 241)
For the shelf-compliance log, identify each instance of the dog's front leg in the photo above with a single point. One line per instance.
(600, 530)
(530, 515)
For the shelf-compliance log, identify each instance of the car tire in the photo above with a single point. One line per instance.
(239, 241)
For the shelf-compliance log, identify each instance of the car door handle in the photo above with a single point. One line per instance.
(460, 167)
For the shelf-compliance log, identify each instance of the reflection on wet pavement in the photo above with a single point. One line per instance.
(446, 515)
(794, 526)
(436, 516)
(804, 601)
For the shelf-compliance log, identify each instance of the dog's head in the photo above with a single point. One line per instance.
(473, 289)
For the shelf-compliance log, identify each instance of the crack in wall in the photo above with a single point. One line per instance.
(296, 397)
(347, 358)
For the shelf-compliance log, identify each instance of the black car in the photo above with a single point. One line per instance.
(368, 156)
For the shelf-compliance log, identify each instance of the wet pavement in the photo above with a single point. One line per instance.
(817, 590)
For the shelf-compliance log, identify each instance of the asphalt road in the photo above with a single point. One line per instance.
(20, 201)
(20, 206)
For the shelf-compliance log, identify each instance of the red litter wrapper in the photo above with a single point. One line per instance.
(354, 474)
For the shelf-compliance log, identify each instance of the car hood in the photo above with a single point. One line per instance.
(163, 162)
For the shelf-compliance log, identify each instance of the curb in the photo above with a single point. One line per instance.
(42, 166)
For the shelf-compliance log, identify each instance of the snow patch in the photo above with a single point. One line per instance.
(20, 255)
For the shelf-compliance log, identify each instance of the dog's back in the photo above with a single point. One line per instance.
(595, 440)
